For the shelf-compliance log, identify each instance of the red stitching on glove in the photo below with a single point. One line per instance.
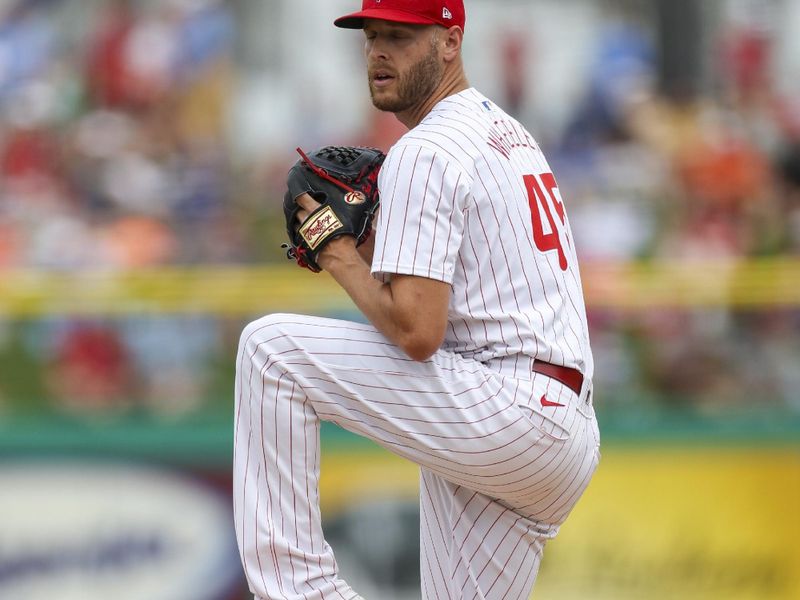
(322, 173)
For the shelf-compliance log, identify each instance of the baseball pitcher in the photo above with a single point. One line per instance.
(476, 363)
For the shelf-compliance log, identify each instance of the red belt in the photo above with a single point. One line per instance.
(572, 378)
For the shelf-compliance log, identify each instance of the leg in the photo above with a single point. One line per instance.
(470, 426)
(473, 547)
(276, 485)
(476, 547)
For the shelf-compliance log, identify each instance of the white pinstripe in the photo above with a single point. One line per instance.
(499, 472)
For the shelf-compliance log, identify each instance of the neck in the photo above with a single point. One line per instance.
(453, 82)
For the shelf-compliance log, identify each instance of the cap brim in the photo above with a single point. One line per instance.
(356, 20)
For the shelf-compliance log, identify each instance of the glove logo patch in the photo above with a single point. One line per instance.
(319, 226)
(344, 179)
(355, 198)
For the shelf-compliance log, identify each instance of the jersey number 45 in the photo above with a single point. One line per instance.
(540, 209)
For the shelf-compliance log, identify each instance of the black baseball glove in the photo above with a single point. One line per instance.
(344, 180)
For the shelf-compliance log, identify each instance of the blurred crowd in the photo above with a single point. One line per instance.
(112, 147)
(115, 153)
(689, 171)
(664, 171)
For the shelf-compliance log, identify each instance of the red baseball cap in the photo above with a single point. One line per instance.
(420, 12)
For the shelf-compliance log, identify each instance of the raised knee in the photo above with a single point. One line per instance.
(262, 330)
(266, 331)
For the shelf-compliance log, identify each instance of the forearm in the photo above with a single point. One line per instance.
(372, 297)
(404, 316)
(410, 311)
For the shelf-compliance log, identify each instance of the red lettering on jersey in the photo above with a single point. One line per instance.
(496, 142)
(536, 199)
(505, 136)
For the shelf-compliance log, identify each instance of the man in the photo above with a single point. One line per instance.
(476, 364)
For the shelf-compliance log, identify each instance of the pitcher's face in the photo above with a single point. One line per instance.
(404, 65)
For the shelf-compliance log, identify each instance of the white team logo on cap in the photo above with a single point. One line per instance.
(446, 14)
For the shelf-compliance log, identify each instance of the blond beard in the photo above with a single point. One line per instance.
(415, 85)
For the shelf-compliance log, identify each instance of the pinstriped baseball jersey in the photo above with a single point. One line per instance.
(504, 452)
(467, 197)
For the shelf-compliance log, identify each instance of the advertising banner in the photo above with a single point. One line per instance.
(657, 523)
(88, 530)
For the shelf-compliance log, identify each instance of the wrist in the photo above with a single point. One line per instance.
(339, 253)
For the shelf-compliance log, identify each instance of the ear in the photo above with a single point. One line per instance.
(451, 41)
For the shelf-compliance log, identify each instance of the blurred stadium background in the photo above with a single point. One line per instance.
(143, 147)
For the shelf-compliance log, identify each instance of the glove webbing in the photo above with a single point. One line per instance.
(322, 173)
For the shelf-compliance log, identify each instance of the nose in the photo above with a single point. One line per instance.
(375, 50)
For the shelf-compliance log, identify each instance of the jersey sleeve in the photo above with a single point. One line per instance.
(421, 222)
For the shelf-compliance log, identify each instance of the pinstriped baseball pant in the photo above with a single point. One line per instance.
(499, 472)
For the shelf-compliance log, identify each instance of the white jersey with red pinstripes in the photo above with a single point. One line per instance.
(504, 453)
(467, 197)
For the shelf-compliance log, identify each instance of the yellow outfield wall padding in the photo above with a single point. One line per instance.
(656, 523)
(249, 290)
